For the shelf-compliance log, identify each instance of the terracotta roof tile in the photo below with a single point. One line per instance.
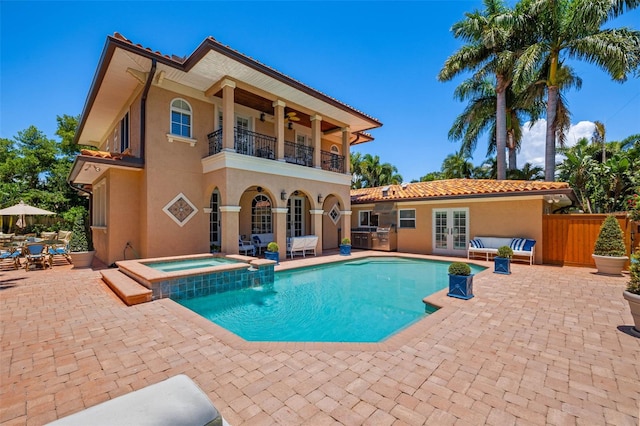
(453, 188)
(105, 154)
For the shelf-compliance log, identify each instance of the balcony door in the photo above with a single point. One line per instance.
(243, 142)
(450, 231)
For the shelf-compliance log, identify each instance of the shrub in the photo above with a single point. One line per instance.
(505, 251)
(610, 240)
(79, 240)
(346, 242)
(634, 273)
(273, 247)
(459, 268)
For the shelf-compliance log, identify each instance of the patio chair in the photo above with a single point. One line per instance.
(10, 257)
(246, 247)
(36, 254)
(61, 249)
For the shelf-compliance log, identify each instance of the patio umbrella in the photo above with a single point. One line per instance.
(21, 210)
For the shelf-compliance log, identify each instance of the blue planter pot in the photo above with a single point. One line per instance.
(502, 265)
(345, 249)
(272, 255)
(461, 286)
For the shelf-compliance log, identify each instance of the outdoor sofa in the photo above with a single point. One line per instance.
(522, 247)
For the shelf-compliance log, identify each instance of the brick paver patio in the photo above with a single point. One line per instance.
(545, 345)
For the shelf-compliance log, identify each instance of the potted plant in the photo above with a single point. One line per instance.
(609, 252)
(215, 248)
(460, 281)
(632, 293)
(345, 247)
(272, 252)
(79, 245)
(502, 261)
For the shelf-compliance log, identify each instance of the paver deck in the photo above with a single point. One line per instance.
(544, 345)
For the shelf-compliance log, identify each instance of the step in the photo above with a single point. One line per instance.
(130, 291)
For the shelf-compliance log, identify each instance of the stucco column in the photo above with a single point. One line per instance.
(280, 231)
(316, 227)
(316, 138)
(346, 150)
(345, 223)
(279, 124)
(228, 121)
(230, 229)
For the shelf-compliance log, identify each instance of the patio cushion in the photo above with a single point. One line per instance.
(175, 401)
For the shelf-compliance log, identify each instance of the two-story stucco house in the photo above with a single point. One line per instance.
(196, 151)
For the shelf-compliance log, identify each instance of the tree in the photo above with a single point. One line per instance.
(480, 116)
(572, 28)
(491, 48)
(457, 166)
(369, 172)
(528, 172)
(599, 137)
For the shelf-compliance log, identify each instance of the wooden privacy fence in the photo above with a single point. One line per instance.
(568, 239)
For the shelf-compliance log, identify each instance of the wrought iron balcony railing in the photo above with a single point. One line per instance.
(258, 145)
(295, 153)
(332, 162)
(245, 142)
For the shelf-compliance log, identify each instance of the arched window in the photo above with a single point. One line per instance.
(261, 215)
(181, 118)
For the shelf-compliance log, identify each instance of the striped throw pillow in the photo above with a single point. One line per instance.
(476, 243)
(517, 244)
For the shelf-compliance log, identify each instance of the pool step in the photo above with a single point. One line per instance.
(130, 291)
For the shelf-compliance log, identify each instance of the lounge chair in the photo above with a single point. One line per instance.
(246, 247)
(10, 256)
(35, 254)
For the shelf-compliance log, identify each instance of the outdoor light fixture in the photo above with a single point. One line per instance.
(319, 198)
(283, 195)
(259, 189)
(262, 116)
(290, 126)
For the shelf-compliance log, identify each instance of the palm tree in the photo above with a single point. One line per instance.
(528, 172)
(372, 173)
(457, 166)
(599, 137)
(490, 37)
(480, 115)
(571, 28)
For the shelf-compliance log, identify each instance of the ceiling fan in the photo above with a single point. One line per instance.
(291, 116)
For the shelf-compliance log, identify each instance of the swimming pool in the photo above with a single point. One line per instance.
(364, 300)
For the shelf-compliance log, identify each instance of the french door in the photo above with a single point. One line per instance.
(450, 231)
(295, 217)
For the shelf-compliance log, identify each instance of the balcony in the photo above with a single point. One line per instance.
(264, 146)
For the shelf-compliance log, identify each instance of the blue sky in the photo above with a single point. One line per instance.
(379, 57)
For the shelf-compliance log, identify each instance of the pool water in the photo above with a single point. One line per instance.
(365, 300)
(182, 265)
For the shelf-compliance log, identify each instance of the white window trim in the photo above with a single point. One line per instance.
(360, 217)
(171, 109)
(415, 219)
(176, 138)
(334, 209)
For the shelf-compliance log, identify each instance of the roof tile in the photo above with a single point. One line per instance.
(452, 188)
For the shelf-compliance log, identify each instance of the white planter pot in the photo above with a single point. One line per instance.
(610, 265)
(82, 259)
(634, 307)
